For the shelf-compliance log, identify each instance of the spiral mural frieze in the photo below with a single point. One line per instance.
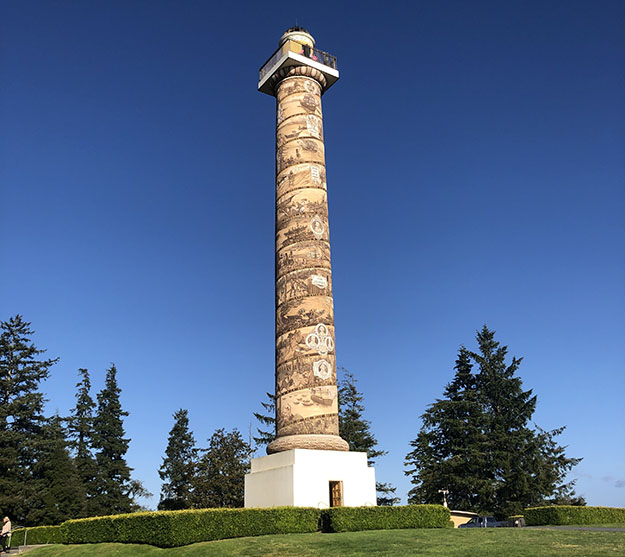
(306, 391)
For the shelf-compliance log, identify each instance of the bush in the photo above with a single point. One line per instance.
(564, 515)
(176, 528)
(97, 529)
(215, 524)
(353, 519)
(37, 535)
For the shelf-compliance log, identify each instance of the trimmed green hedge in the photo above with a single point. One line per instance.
(563, 515)
(353, 519)
(37, 535)
(176, 528)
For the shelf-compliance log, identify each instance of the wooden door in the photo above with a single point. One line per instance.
(336, 494)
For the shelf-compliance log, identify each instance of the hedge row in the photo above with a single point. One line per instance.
(354, 519)
(37, 535)
(177, 528)
(564, 515)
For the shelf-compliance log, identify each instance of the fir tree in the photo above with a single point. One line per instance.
(112, 483)
(60, 494)
(219, 481)
(527, 466)
(80, 430)
(21, 417)
(137, 490)
(356, 431)
(179, 463)
(267, 418)
(477, 441)
(448, 450)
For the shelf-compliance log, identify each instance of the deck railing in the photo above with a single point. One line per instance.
(314, 54)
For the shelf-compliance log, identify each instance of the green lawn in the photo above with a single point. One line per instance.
(513, 542)
(604, 525)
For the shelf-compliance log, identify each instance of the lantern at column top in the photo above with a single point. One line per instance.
(297, 48)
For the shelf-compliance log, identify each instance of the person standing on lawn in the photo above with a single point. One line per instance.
(6, 530)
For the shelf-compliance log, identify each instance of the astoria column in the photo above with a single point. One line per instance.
(306, 388)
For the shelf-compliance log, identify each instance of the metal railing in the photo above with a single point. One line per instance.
(314, 54)
(10, 537)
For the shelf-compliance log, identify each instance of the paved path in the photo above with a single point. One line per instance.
(588, 528)
(22, 549)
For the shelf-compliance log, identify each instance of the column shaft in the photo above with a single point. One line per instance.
(306, 391)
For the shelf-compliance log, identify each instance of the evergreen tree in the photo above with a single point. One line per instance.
(60, 495)
(555, 465)
(356, 431)
(178, 466)
(268, 420)
(571, 500)
(448, 450)
(80, 431)
(21, 417)
(477, 442)
(137, 490)
(219, 480)
(112, 482)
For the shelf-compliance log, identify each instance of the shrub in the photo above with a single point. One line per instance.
(176, 528)
(564, 515)
(353, 519)
(37, 535)
(97, 529)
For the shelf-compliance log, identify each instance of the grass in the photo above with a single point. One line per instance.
(614, 525)
(513, 542)
(603, 525)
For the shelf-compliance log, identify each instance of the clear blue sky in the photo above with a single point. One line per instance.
(476, 172)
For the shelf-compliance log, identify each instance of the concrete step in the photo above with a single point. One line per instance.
(21, 549)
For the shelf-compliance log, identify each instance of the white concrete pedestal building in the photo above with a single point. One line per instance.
(310, 478)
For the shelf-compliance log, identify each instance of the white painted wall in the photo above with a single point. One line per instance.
(301, 478)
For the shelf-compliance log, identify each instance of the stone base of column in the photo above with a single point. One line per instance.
(308, 441)
(310, 478)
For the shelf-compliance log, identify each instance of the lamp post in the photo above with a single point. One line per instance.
(444, 492)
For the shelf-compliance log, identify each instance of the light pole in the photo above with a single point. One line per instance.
(444, 492)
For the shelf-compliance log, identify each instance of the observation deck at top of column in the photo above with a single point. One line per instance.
(294, 53)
